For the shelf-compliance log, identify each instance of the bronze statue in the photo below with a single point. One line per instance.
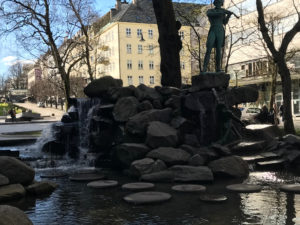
(218, 17)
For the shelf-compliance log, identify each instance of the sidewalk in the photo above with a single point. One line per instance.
(47, 113)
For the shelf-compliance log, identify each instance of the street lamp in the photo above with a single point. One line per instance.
(236, 76)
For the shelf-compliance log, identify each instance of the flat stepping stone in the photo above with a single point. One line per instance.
(137, 186)
(254, 158)
(293, 188)
(103, 184)
(213, 198)
(147, 197)
(272, 164)
(54, 175)
(189, 188)
(244, 188)
(81, 177)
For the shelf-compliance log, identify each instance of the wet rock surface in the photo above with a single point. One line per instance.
(13, 216)
(16, 171)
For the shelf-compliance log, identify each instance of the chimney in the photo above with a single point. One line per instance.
(135, 2)
(118, 5)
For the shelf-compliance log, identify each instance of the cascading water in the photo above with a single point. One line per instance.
(70, 136)
(85, 107)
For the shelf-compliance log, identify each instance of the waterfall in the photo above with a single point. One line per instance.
(85, 108)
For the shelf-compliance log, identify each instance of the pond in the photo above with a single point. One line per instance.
(74, 203)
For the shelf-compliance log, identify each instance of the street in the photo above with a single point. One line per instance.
(47, 113)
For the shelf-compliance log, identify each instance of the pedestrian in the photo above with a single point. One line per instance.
(281, 112)
(12, 113)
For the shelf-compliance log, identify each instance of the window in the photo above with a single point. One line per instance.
(151, 49)
(140, 64)
(128, 47)
(182, 65)
(181, 34)
(150, 34)
(141, 79)
(129, 79)
(128, 32)
(140, 49)
(92, 58)
(151, 65)
(129, 64)
(139, 33)
(151, 79)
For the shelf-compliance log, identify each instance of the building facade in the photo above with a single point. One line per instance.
(127, 38)
(250, 61)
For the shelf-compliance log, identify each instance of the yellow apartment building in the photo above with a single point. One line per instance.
(129, 35)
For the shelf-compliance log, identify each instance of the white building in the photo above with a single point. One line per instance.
(250, 58)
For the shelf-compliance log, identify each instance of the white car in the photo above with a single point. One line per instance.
(41, 104)
(248, 113)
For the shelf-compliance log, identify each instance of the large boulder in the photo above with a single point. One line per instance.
(125, 108)
(161, 135)
(146, 166)
(115, 93)
(233, 166)
(142, 92)
(192, 173)
(137, 124)
(100, 86)
(240, 95)
(291, 139)
(11, 191)
(145, 105)
(16, 171)
(13, 216)
(161, 176)
(41, 188)
(209, 81)
(3, 180)
(171, 156)
(126, 153)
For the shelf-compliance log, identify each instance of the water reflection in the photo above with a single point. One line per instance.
(74, 203)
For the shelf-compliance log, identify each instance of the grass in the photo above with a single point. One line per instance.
(25, 133)
(5, 107)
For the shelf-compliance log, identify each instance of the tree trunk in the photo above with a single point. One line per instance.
(286, 83)
(273, 85)
(169, 42)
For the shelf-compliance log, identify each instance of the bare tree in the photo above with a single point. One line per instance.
(83, 13)
(44, 27)
(18, 76)
(279, 57)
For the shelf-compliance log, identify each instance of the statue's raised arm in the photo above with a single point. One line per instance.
(218, 17)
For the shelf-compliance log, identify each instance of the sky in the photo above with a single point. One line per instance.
(10, 53)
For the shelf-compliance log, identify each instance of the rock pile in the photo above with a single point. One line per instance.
(165, 133)
(17, 180)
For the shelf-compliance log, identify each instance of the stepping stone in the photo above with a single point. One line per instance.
(251, 159)
(293, 188)
(213, 198)
(272, 164)
(81, 177)
(147, 197)
(189, 188)
(244, 188)
(54, 175)
(137, 186)
(103, 184)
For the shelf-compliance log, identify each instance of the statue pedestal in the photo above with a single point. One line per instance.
(209, 80)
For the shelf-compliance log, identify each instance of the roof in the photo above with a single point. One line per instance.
(143, 12)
